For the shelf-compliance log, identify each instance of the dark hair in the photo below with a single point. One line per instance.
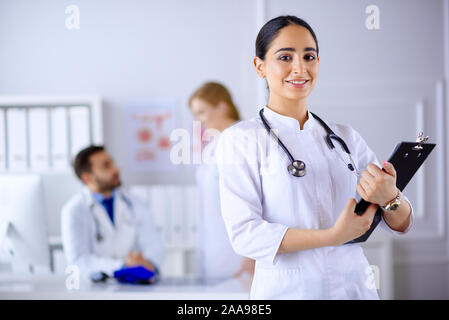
(270, 30)
(81, 163)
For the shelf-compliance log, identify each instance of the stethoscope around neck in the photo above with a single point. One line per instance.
(297, 168)
(98, 235)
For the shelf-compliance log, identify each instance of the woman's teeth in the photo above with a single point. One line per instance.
(298, 82)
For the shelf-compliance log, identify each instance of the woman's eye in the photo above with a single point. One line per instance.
(284, 58)
(309, 57)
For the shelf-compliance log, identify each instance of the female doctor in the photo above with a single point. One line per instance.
(295, 217)
(212, 105)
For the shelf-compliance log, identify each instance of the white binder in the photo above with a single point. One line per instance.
(79, 129)
(38, 126)
(17, 139)
(2, 141)
(159, 209)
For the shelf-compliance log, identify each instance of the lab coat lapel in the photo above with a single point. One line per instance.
(125, 224)
(100, 215)
(122, 211)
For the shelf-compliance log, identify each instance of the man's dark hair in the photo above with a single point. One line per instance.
(81, 163)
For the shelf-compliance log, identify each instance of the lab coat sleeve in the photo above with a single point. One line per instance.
(365, 156)
(149, 240)
(241, 200)
(78, 251)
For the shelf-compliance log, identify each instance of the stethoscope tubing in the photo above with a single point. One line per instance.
(271, 132)
(330, 134)
(98, 236)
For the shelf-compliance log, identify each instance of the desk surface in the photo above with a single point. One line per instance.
(54, 287)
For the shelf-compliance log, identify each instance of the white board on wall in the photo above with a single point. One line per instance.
(148, 128)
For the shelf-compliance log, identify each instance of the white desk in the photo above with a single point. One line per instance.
(53, 287)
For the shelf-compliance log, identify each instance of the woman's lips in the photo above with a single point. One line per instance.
(297, 83)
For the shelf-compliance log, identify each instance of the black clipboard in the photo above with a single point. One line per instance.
(407, 158)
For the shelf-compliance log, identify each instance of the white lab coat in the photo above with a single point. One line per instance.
(216, 258)
(83, 219)
(260, 200)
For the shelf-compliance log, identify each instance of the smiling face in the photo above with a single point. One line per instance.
(290, 64)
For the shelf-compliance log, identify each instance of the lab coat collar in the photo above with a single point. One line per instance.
(122, 208)
(276, 119)
(99, 197)
(88, 196)
(91, 199)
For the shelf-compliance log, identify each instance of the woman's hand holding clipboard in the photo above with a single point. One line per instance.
(406, 158)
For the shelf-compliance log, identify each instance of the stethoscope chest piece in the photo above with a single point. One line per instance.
(99, 237)
(297, 168)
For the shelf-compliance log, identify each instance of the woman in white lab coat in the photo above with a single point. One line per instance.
(212, 105)
(295, 220)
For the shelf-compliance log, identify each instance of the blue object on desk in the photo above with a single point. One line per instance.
(135, 275)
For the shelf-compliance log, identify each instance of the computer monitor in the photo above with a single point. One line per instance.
(23, 223)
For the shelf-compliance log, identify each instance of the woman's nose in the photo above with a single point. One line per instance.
(299, 67)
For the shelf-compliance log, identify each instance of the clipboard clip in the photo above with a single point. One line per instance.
(420, 140)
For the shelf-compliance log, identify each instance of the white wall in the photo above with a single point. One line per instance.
(129, 51)
(135, 50)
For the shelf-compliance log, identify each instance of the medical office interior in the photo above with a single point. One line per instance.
(120, 74)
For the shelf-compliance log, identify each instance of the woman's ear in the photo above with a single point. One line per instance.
(259, 65)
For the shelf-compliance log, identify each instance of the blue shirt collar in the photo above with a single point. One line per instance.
(100, 197)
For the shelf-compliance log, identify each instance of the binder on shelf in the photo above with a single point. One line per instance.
(191, 214)
(59, 138)
(2, 141)
(39, 136)
(80, 135)
(176, 211)
(159, 210)
(17, 139)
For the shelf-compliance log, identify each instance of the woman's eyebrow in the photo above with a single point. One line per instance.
(294, 50)
(309, 49)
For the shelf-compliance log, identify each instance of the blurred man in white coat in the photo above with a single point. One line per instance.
(104, 228)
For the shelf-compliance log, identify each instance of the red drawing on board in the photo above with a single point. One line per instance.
(144, 135)
(145, 155)
(164, 143)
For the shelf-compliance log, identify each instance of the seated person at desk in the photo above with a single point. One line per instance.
(103, 227)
